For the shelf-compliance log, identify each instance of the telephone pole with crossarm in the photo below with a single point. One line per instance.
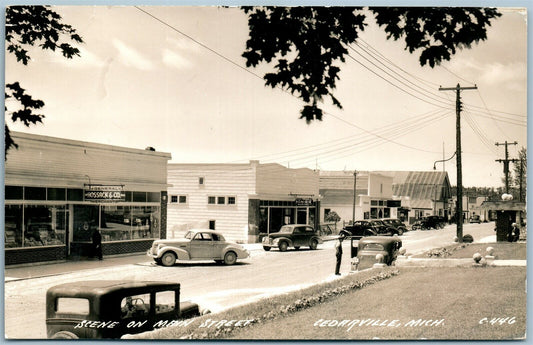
(459, 207)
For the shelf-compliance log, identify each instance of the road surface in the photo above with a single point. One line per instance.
(214, 287)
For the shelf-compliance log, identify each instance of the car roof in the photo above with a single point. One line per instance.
(101, 287)
(205, 230)
(379, 239)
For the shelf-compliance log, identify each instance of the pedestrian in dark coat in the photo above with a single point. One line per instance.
(515, 233)
(97, 244)
(338, 254)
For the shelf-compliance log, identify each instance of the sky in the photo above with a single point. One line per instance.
(173, 78)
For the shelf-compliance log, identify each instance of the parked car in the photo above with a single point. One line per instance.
(397, 224)
(369, 248)
(103, 309)
(383, 228)
(292, 235)
(358, 229)
(197, 245)
(429, 222)
(475, 219)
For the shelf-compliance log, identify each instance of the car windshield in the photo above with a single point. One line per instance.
(189, 235)
(286, 229)
(374, 246)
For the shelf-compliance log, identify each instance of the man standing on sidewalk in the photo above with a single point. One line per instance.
(97, 244)
(338, 254)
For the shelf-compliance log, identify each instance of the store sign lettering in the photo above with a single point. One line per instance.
(304, 202)
(104, 193)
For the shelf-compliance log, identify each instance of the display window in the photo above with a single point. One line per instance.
(32, 224)
(35, 225)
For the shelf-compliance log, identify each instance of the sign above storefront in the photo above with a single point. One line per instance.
(394, 203)
(97, 192)
(303, 202)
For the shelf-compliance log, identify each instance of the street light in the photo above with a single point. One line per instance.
(442, 160)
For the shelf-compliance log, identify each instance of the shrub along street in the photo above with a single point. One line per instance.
(416, 303)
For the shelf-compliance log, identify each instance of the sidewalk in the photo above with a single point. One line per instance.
(36, 270)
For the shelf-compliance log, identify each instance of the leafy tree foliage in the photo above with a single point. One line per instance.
(307, 44)
(27, 26)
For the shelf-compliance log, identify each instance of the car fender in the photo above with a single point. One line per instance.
(181, 254)
(289, 241)
(318, 239)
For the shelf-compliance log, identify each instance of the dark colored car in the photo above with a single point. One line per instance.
(475, 219)
(397, 224)
(103, 309)
(384, 229)
(429, 222)
(293, 235)
(377, 249)
(358, 229)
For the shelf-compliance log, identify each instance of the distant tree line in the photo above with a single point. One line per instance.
(517, 188)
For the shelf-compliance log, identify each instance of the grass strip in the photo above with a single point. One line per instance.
(270, 308)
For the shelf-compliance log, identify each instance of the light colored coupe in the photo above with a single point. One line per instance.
(197, 245)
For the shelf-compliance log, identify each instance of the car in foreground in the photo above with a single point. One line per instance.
(377, 249)
(196, 245)
(292, 235)
(109, 309)
(397, 224)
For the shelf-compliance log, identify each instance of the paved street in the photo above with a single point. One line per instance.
(212, 286)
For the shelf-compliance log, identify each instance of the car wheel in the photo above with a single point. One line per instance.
(64, 335)
(230, 258)
(313, 244)
(283, 246)
(297, 247)
(168, 259)
(267, 248)
(400, 232)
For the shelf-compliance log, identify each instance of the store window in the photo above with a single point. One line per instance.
(14, 193)
(128, 223)
(44, 225)
(13, 226)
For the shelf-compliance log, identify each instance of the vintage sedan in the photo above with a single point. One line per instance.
(197, 245)
(107, 309)
(377, 249)
(292, 235)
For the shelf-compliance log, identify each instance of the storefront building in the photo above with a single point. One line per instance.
(59, 191)
(242, 201)
(373, 195)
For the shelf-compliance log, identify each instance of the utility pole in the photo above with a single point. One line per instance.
(459, 211)
(521, 179)
(354, 194)
(506, 163)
